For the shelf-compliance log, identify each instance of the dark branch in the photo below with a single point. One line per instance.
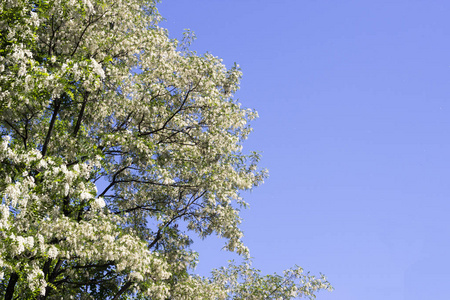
(94, 266)
(50, 127)
(15, 129)
(80, 115)
(13, 278)
(81, 37)
(171, 117)
(122, 290)
(113, 182)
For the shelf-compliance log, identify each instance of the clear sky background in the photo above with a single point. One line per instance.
(354, 127)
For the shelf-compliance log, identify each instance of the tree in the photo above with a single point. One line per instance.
(114, 137)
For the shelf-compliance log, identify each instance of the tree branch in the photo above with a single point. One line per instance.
(113, 182)
(13, 278)
(50, 128)
(15, 129)
(80, 115)
(171, 117)
(122, 290)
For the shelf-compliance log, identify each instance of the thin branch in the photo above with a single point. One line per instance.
(171, 117)
(14, 128)
(89, 282)
(50, 128)
(90, 22)
(122, 290)
(81, 37)
(51, 38)
(151, 183)
(124, 123)
(182, 213)
(80, 115)
(113, 182)
(136, 208)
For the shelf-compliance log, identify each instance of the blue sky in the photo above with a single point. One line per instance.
(354, 127)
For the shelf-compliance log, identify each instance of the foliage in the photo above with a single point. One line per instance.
(112, 136)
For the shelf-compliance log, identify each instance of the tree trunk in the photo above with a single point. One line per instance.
(12, 283)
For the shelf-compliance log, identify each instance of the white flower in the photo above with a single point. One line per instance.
(97, 68)
(34, 18)
(98, 203)
(52, 252)
(66, 189)
(19, 246)
(85, 195)
(29, 242)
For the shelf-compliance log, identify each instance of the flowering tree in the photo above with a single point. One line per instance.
(112, 136)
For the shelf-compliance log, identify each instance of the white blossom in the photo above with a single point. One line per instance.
(52, 252)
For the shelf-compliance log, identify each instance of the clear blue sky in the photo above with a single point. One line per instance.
(354, 127)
